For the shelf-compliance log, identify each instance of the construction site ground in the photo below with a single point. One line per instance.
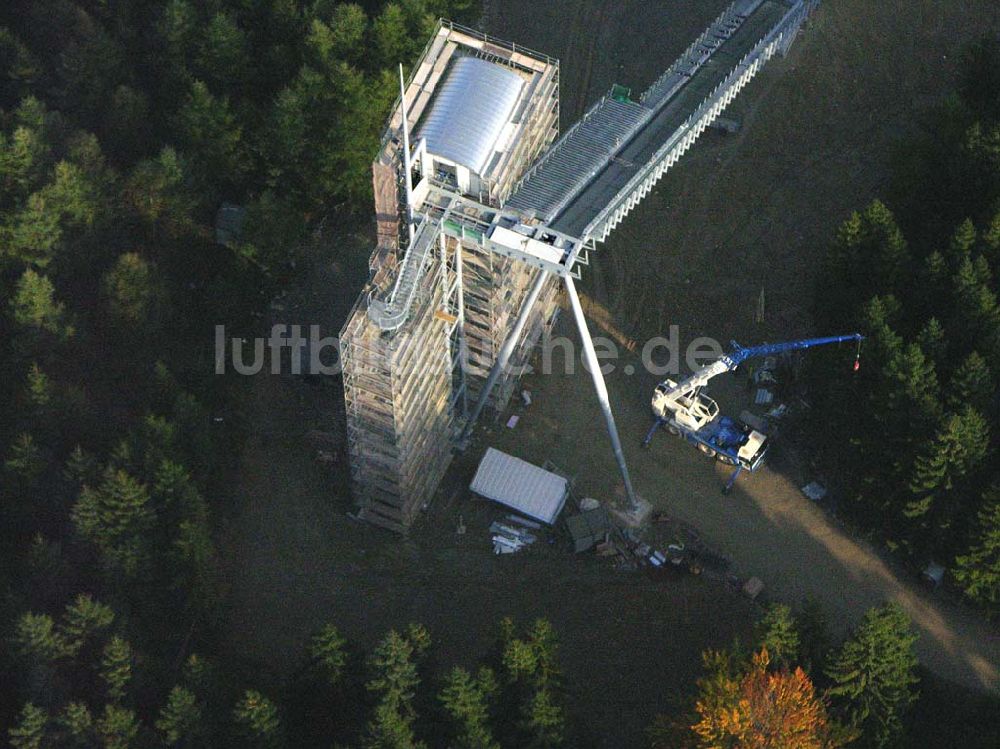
(739, 212)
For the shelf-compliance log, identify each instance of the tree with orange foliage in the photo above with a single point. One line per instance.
(752, 707)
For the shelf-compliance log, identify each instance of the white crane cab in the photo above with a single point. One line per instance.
(697, 418)
(690, 410)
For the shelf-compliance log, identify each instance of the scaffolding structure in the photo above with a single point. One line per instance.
(465, 276)
(425, 332)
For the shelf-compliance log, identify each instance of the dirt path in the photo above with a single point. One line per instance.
(766, 525)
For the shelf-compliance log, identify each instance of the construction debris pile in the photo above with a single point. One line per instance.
(513, 533)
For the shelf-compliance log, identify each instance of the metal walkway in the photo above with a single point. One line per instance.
(600, 169)
(604, 165)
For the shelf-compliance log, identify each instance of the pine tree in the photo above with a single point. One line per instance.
(83, 619)
(180, 719)
(543, 721)
(519, 659)
(30, 731)
(78, 723)
(116, 517)
(915, 384)
(328, 650)
(34, 305)
(394, 682)
(958, 448)
(962, 243)
(991, 241)
(347, 25)
(532, 676)
(419, 638)
(977, 316)
(392, 38)
(25, 459)
(395, 674)
(971, 384)
(777, 632)
(39, 388)
(212, 136)
(36, 637)
(134, 296)
(543, 641)
(116, 668)
(117, 727)
(466, 700)
(978, 571)
(931, 340)
(874, 675)
(224, 54)
(258, 720)
(81, 468)
(388, 729)
(157, 191)
(25, 159)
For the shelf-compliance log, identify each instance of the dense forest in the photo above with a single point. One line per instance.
(914, 437)
(124, 126)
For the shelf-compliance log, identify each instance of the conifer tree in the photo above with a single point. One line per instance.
(467, 702)
(39, 387)
(962, 243)
(116, 668)
(83, 619)
(117, 727)
(25, 460)
(543, 721)
(78, 724)
(179, 722)
(978, 571)
(874, 675)
(971, 384)
(258, 721)
(116, 517)
(328, 651)
(777, 632)
(36, 637)
(932, 341)
(959, 447)
(30, 731)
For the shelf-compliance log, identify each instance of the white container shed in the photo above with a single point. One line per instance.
(526, 488)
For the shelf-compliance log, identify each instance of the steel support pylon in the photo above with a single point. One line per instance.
(634, 506)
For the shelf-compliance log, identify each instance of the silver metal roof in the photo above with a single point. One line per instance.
(469, 112)
(524, 487)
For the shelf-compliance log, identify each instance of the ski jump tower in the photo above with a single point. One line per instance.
(482, 215)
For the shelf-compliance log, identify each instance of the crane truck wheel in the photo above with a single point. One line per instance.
(726, 460)
(707, 450)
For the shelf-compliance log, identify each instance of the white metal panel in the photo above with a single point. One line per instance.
(470, 110)
(524, 487)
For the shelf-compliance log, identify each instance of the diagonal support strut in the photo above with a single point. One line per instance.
(602, 393)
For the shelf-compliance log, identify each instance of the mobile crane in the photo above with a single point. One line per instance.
(686, 412)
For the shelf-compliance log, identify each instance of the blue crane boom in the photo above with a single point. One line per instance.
(686, 412)
(737, 356)
(740, 354)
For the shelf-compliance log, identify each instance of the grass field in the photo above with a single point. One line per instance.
(740, 212)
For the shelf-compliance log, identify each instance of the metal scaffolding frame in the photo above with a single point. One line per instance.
(477, 279)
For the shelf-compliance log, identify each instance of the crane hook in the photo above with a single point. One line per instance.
(857, 358)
